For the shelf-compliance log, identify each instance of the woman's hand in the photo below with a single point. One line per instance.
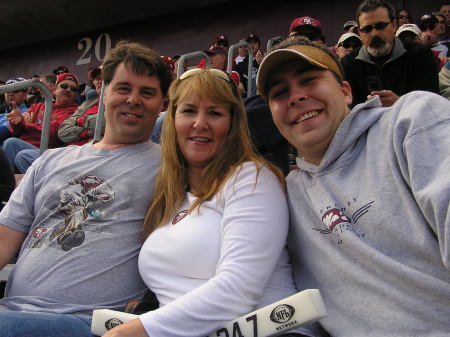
(133, 328)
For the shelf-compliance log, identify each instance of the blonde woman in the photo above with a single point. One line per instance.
(216, 227)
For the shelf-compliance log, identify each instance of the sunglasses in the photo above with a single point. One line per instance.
(216, 72)
(378, 26)
(347, 45)
(65, 86)
(403, 17)
(424, 28)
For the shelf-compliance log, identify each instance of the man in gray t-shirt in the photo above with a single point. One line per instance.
(77, 215)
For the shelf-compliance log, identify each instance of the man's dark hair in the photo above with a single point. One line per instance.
(301, 41)
(371, 5)
(142, 60)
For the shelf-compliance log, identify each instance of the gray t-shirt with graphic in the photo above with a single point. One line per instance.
(83, 210)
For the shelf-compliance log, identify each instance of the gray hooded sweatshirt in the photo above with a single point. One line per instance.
(370, 226)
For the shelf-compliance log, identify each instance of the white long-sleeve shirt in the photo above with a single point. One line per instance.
(213, 266)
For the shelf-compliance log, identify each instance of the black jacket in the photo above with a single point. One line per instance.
(411, 66)
(266, 138)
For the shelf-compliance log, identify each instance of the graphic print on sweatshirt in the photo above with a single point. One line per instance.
(338, 223)
(79, 199)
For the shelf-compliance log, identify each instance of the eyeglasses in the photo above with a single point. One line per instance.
(424, 28)
(347, 45)
(378, 26)
(403, 17)
(65, 86)
(216, 72)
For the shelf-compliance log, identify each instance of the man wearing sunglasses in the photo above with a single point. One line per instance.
(347, 43)
(384, 66)
(23, 148)
(430, 36)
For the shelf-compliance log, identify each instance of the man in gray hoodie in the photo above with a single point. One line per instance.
(370, 216)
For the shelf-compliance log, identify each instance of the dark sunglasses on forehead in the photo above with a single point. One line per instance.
(65, 86)
(378, 26)
(403, 17)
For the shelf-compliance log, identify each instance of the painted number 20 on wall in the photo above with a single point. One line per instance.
(101, 48)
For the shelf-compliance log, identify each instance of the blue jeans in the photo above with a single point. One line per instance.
(20, 153)
(41, 324)
(4, 134)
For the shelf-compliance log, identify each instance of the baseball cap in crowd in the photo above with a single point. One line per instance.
(427, 21)
(60, 69)
(93, 73)
(15, 80)
(349, 24)
(309, 54)
(216, 50)
(408, 27)
(66, 76)
(221, 40)
(305, 21)
(344, 37)
(253, 38)
(235, 77)
(169, 62)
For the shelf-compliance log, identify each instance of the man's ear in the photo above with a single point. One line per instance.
(347, 91)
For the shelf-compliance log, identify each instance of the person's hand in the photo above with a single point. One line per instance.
(259, 56)
(15, 116)
(27, 118)
(133, 328)
(387, 97)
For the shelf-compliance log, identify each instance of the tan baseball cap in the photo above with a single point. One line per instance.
(310, 54)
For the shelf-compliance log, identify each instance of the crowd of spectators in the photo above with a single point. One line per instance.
(389, 58)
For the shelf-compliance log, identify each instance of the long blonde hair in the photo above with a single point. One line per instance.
(171, 181)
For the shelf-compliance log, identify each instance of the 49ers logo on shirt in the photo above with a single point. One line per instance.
(180, 216)
(38, 232)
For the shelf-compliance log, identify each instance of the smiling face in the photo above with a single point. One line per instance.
(202, 127)
(378, 42)
(307, 105)
(132, 104)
